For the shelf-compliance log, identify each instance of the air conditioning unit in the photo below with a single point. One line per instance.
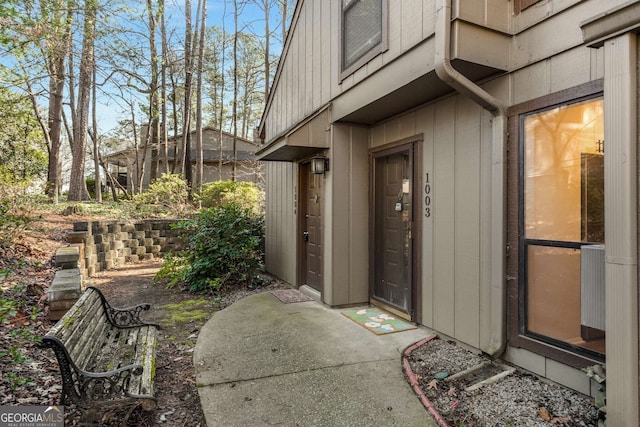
(592, 292)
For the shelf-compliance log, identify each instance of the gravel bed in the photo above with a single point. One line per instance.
(519, 399)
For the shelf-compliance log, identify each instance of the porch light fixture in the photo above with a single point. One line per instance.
(319, 165)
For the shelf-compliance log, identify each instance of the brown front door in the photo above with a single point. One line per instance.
(393, 244)
(311, 195)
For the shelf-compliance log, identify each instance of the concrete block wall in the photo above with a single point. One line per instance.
(67, 284)
(108, 244)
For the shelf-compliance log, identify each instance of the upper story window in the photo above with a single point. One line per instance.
(363, 31)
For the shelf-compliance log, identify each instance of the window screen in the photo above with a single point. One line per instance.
(362, 29)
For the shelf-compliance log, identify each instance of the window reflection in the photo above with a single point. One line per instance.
(563, 210)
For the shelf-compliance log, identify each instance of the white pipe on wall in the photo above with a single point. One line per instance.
(462, 84)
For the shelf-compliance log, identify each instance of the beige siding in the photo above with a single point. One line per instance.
(426, 117)
(346, 227)
(493, 14)
(467, 192)
(309, 75)
(443, 203)
(567, 69)
(457, 156)
(280, 250)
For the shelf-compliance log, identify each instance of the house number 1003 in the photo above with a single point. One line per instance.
(427, 196)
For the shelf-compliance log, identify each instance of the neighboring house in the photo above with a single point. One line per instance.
(123, 163)
(482, 174)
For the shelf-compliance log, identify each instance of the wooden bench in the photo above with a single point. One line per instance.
(106, 355)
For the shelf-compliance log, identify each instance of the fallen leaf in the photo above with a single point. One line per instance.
(433, 384)
(545, 414)
(452, 391)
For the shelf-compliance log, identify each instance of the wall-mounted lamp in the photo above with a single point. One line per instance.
(319, 165)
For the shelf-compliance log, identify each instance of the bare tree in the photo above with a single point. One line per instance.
(186, 128)
(284, 12)
(94, 134)
(77, 184)
(199, 151)
(234, 167)
(163, 87)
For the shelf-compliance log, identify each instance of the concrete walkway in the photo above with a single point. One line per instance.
(263, 362)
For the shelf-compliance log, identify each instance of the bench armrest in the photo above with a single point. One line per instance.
(79, 385)
(128, 317)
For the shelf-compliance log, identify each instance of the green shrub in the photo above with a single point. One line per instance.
(91, 187)
(225, 246)
(219, 193)
(170, 191)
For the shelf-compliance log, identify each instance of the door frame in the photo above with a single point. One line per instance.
(303, 166)
(412, 144)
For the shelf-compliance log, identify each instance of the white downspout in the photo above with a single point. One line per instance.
(457, 81)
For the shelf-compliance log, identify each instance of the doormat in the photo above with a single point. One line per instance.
(377, 321)
(289, 296)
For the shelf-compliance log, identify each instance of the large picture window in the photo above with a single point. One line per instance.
(562, 225)
(363, 31)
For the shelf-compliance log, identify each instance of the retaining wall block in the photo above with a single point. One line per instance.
(67, 257)
(132, 258)
(128, 228)
(141, 250)
(76, 236)
(82, 226)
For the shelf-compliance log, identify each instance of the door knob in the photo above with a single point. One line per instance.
(305, 236)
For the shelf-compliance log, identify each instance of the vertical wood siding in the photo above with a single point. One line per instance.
(309, 74)
(280, 245)
(457, 157)
(349, 216)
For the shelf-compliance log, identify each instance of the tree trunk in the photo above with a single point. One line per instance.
(56, 64)
(267, 37)
(199, 178)
(186, 128)
(96, 148)
(164, 139)
(77, 184)
(154, 110)
(234, 166)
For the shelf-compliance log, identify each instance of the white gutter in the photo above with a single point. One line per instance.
(462, 84)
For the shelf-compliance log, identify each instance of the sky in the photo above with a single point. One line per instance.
(251, 19)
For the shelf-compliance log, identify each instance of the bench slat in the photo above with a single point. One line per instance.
(83, 347)
(73, 319)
